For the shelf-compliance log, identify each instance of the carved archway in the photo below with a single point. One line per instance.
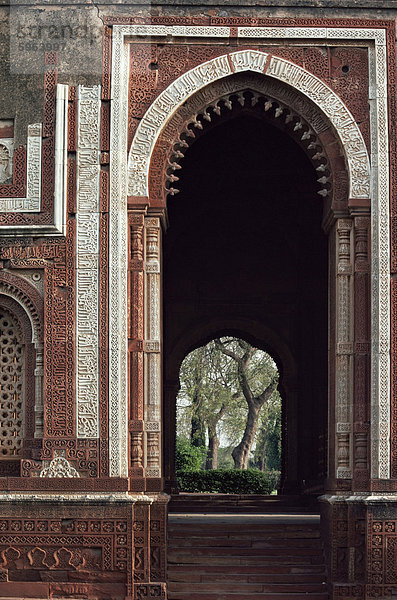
(268, 100)
(30, 300)
(240, 108)
(329, 135)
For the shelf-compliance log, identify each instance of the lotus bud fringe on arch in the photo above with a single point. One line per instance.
(292, 123)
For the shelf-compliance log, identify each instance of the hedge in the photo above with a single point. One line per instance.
(228, 481)
(188, 457)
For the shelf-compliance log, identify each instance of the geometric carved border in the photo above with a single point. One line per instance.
(49, 157)
(33, 188)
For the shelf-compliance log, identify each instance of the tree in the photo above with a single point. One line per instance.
(205, 395)
(254, 401)
(191, 376)
(267, 453)
(213, 439)
(224, 386)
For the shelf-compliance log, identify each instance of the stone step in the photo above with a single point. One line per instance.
(193, 595)
(262, 532)
(215, 503)
(248, 557)
(239, 557)
(258, 533)
(248, 588)
(278, 572)
(195, 576)
(243, 541)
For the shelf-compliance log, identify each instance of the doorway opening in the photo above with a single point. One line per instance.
(229, 418)
(245, 255)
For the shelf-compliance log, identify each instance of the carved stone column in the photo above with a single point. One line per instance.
(152, 347)
(39, 405)
(136, 215)
(362, 328)
(344, 349)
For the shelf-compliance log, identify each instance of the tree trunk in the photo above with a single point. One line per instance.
(261, 451)
(213, 445)
(197, 435)
(241, 452)
(213, 440)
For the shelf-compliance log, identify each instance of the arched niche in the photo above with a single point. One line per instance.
(23, 306)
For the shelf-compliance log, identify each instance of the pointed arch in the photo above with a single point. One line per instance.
(315, 90)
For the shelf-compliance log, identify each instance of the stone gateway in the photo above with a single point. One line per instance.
(169, 174)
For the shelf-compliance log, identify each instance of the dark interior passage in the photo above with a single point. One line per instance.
(245, 253)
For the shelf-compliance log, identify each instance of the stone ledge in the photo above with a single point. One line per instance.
(346, 4)
(72, 498)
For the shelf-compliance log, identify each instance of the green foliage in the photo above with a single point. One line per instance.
(274, 447)
(225, 460)
(189, 458)
(228, 481)
(274, 476)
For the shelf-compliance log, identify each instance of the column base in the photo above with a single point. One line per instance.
(360, 537)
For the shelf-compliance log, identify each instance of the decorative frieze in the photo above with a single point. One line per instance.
(118, 249)
(87, 258)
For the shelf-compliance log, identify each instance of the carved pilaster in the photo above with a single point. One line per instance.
(344, 350)
(39, 405)
(362, 327)
(153, 346)
(136, 450)
(136, 337)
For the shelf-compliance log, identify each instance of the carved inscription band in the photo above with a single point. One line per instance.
(87, 253)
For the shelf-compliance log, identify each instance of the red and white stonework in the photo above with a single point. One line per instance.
(84, 465)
